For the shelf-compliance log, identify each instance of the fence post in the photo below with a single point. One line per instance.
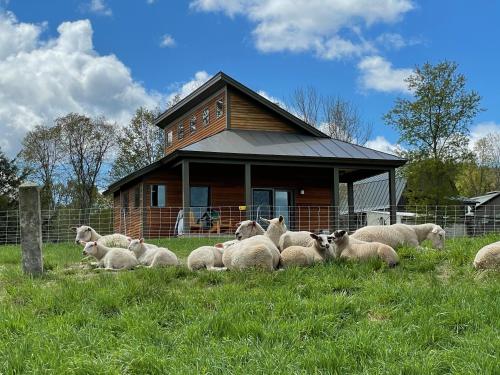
(30, 219)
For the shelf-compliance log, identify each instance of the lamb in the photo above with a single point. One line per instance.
(258, 251)
(247, 229)
(110, 258)
(488, 257)
(303, 256)
(151, 255)
(87, 234)
(289, 238)
(401, 234)
(206, 257)
(350, 248)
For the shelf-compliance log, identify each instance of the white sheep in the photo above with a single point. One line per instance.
(402, 234)
(206, 257)
(247, 229)
(110, 258)
(289, 238)
(258, 251)
(151, 255)
(350, 248)
(87, 234)
(488, 257)
(303, 256)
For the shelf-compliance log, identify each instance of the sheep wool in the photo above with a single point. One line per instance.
(152, 256)
(247, 229)
(85, 233)
(488, 257)
(110, 258)
(351, 248)
(303, 256)
(289, 238)
(206, 257)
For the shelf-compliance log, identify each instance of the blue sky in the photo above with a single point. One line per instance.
(110, 56)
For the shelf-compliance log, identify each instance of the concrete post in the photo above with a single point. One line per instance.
(30, 219)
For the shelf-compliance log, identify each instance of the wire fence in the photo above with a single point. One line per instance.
(154, 223)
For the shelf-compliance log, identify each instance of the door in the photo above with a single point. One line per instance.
(283, 205)
(262, 203)
(270, 203)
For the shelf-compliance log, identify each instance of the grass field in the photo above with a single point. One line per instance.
(431, 315)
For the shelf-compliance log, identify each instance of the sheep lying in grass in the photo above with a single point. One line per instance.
(289, 238)
(350, 248)
(151, 255)
(401, 234)
(303, 256)
(259, 251)
(206, 257)
(110, 258)
(87, 234)
(488, 257)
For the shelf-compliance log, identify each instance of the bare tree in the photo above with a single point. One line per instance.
(86, 144)
(343, 122)
(306, 102)
(41, 154)
(487, 150)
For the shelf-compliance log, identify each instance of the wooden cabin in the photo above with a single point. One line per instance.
(231, 154)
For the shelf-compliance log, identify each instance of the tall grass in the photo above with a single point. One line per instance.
(433, 314)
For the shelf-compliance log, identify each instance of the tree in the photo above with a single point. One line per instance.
(337, 117)
(41, 153)
(86, 144)
(10, 179)
(434, 123)
(140, 144)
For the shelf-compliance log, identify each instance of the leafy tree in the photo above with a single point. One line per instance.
(10, 179)
(140, 144)
(434, 124)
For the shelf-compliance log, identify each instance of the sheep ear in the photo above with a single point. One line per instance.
(83, 242)
(238, 224)
(219, 245)
(95, 243)
(329, 238)
(281, 219)
(141, 240)
(435, 230)
(314, 236)
(254, 223)
(264, 220)
(74, 229)
(129, 239)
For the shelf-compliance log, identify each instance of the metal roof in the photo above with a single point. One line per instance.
(372, 193)
(482, 199)
(262, 143)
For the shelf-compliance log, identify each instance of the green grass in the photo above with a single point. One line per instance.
(433, 314)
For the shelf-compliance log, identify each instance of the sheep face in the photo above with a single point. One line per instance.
(339, 236)
(83, 234)
(247, 229)
(322, 241)
(90, 248)
(437, 236)
(135, 245)
(278, 222)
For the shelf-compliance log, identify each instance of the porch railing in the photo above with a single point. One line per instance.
(221, 221)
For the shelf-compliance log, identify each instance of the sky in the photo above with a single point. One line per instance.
(108, 57)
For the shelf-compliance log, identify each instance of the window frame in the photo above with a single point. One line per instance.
(205, 116)
(170, 138)
(137, 197)
(151, 192)
(208, 195)
(219, 113)
(180, 130)
(192, 124)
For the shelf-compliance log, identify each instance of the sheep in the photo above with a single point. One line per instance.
(402, 234)
(258, 251)
(303, 256)
(247, 229)
(289, 238)
(110, 258)
(151, 255)
(87, 234)
(350, 248)
(488, 257)
(206, 257)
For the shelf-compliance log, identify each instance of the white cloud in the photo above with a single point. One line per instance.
(183, 89)
(272, 99)
(481, 130)
(99, 7)
(332, 29)
(167, 41)
(378, 74)
(380, 143)
(44, 79)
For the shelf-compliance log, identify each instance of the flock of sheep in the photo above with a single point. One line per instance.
(274, 248)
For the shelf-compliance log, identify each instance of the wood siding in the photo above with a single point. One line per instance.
(215, 125)
(247, 114)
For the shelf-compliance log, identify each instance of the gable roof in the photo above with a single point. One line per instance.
(482, 199)
(216, 83)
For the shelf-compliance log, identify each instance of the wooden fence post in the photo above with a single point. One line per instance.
(30, 219)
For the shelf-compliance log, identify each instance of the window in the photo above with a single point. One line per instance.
(180, 130)
(137, 197)
(158, 195)
(192, 124)
(170, 137)
(206, 116)
(219, 108)
(200, 196)
(125, 200)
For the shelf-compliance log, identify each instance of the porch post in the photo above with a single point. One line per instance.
(336, 199)
(350, 205)
(392, 195)
(248, 190)
(186, 204)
